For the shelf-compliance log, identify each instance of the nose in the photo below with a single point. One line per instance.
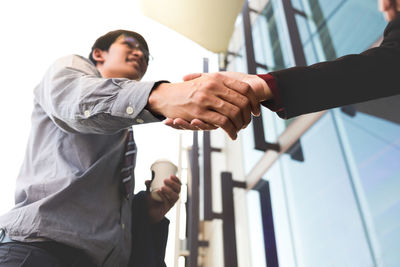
(138, 53)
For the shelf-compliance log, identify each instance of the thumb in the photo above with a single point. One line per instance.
(191, 76)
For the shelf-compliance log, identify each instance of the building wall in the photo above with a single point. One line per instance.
(230, 159)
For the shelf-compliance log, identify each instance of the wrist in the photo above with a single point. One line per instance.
(155, 102)
(260, 87)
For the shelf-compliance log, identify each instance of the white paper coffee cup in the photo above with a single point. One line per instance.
(161, 169)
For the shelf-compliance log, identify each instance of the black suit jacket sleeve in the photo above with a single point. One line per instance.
(350, 79)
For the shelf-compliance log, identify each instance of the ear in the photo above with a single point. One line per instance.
(99, 55)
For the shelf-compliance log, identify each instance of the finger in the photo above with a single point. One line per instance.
(191, 76)
(207, 106)
(214, 119)
(169, 194)
(176, 179)
(245, 90)
(176, 187)
(165, 199)
(222, 99)
(221, 121)
(232, 111)
(183, 124)
(170, 122)
(202, 125)
(179, 124)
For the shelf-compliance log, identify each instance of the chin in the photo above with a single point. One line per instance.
(132, 76)
(135, 77)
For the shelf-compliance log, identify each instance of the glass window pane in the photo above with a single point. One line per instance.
(327, 227)
(327, 26)
(373, 145)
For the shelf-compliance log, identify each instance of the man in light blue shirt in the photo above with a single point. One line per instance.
(70, 209)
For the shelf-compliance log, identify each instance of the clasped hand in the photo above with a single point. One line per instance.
(259, 91)
(215, 100)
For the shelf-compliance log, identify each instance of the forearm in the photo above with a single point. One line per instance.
(213, 98)
(78, 100)
(346, 80)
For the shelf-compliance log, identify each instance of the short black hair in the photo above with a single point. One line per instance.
(104, 42)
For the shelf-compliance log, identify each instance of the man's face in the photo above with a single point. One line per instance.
(125, 58)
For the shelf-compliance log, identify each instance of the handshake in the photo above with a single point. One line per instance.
(209, 101)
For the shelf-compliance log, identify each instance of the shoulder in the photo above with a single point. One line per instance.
(75, 62)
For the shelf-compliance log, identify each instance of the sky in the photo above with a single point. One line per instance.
(35, 33)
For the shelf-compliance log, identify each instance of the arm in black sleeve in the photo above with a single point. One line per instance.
(350, 79)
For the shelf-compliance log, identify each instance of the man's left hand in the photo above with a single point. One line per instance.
(169, 194)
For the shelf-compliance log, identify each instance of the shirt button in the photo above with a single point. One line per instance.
(139, 120)
(123, 226)
(87, 113)
(129, 110)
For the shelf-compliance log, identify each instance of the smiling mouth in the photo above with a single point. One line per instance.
(133, 61)
(136, 64)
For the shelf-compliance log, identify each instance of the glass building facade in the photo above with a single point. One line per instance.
(340, 204)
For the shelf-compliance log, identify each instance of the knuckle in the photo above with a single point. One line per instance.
(217, 75)
(245, 102)
(235, 112)
(224, 121)
(220, 105)
(246, 88)
(211, 84)
(197, 111)
(200, 97)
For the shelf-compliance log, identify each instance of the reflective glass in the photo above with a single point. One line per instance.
(326, 220)
(373, 148)
(338, 27)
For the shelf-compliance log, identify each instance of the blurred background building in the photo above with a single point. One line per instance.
(318, 190)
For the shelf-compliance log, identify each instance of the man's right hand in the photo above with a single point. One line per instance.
(258, 85)
(215, 99)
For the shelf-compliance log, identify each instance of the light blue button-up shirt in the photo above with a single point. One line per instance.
(68, 189)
